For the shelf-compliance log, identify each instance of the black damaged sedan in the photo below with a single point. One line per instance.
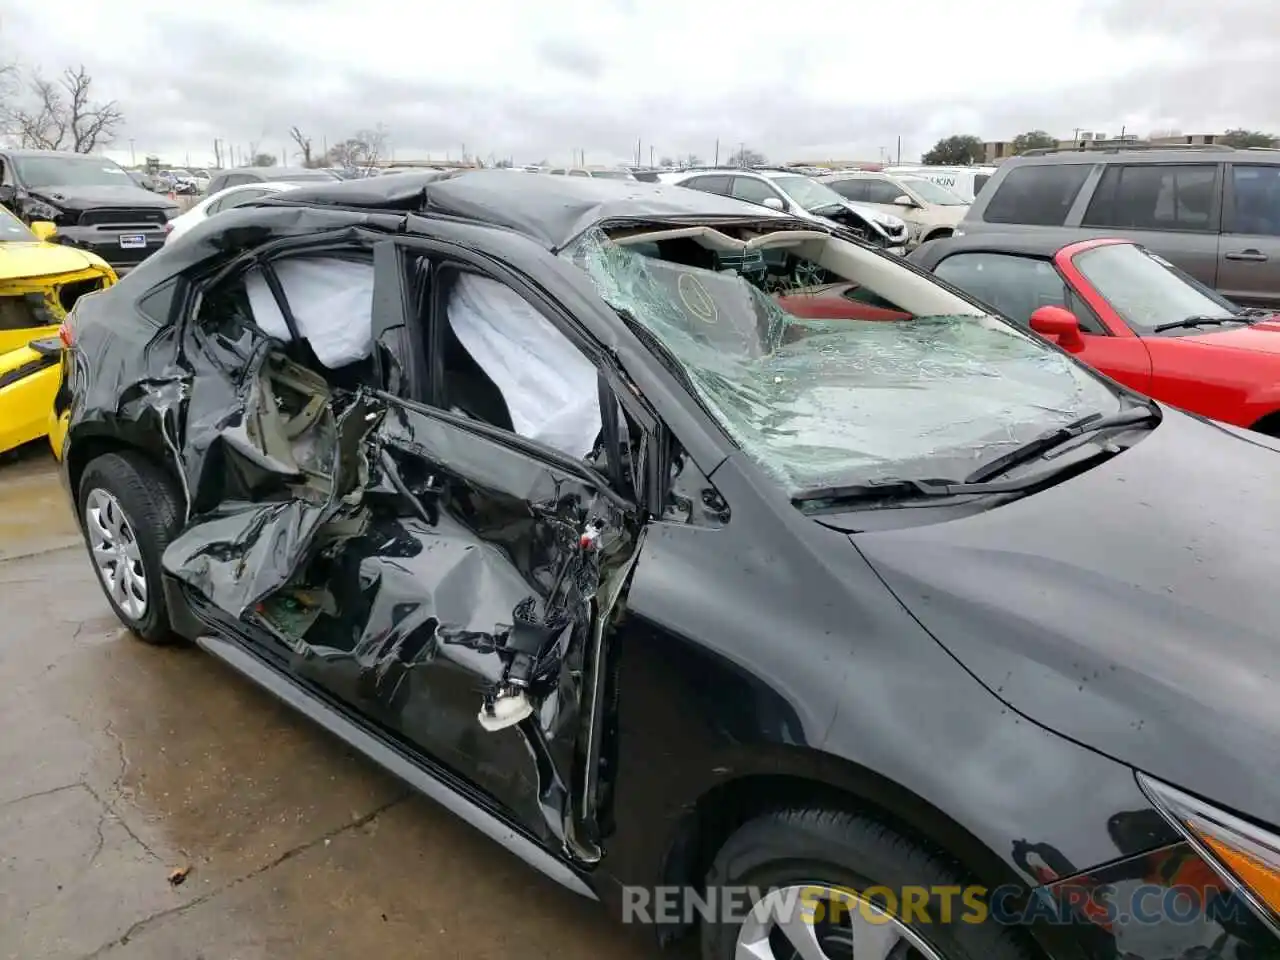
(886, 631)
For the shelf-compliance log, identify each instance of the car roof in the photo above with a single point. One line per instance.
(552, 211)
(274, 173)
(862, 174)
(1030, 244)
(264, 185)
(1209, 153)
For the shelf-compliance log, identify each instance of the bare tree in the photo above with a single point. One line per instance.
(246, 158)
(346, 153)
(375, 143)
(263, 160)
(304, 145)
(362, 150)
(60, 114)
(9, 84)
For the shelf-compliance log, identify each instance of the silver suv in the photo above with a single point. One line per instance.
(1213, 211)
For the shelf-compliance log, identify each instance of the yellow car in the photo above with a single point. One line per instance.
(39, 281)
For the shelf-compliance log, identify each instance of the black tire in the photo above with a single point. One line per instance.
(850, 852)
(150, 502)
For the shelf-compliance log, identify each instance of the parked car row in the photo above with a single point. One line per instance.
(1212, 211)
(680, 542)
(91, 201)
(800, 196)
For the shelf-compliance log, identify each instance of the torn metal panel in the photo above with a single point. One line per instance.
(442, 582)
(290, 449)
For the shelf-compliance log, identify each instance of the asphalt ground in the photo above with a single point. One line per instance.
(124, 768)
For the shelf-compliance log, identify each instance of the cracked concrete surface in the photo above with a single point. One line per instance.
(122, 763)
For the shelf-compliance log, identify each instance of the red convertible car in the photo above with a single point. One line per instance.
(1128, 313)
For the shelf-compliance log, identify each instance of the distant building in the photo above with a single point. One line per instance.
(997, 150)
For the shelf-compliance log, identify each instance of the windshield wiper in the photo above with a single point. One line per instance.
(1055, 438)
(1195, 322)
(892, 489)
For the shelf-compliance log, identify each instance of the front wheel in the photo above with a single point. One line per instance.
(811, 868)
(129, 511)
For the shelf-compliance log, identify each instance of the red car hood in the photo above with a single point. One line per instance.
(1261, 337)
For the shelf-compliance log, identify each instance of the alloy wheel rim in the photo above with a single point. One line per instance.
(815, 921)
(115, 553)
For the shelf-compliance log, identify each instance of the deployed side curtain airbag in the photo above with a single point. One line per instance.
(550, 388)
(331, 301)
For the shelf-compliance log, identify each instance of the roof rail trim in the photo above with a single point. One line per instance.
(1131, 148)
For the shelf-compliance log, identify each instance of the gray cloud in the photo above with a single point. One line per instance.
(572, 58)
(231, 79)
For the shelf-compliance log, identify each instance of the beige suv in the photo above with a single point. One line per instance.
(931, 211)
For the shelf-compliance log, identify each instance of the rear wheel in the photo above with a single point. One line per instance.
(811, 867)
(129, 511)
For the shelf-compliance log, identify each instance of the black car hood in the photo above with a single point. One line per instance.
(1134, 609)
(87, 198)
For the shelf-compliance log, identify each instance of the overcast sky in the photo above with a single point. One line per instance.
(537, 80)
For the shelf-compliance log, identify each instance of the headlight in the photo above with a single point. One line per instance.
(1246, 856)
(39, 210)
(172, 213)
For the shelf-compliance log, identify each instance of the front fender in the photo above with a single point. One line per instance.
(769, 648)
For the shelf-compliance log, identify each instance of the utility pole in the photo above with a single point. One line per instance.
(716, 162)
(133, 158)
(899, 149)
(651, 154)
(742, 149)
(638, 145)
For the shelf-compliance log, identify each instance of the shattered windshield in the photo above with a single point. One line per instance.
(827, 402)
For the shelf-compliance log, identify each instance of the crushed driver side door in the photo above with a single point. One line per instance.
(445, 581)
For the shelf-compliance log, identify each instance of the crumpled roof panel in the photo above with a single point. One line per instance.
(552, 210)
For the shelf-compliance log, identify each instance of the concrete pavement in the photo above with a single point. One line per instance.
(121, 764)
